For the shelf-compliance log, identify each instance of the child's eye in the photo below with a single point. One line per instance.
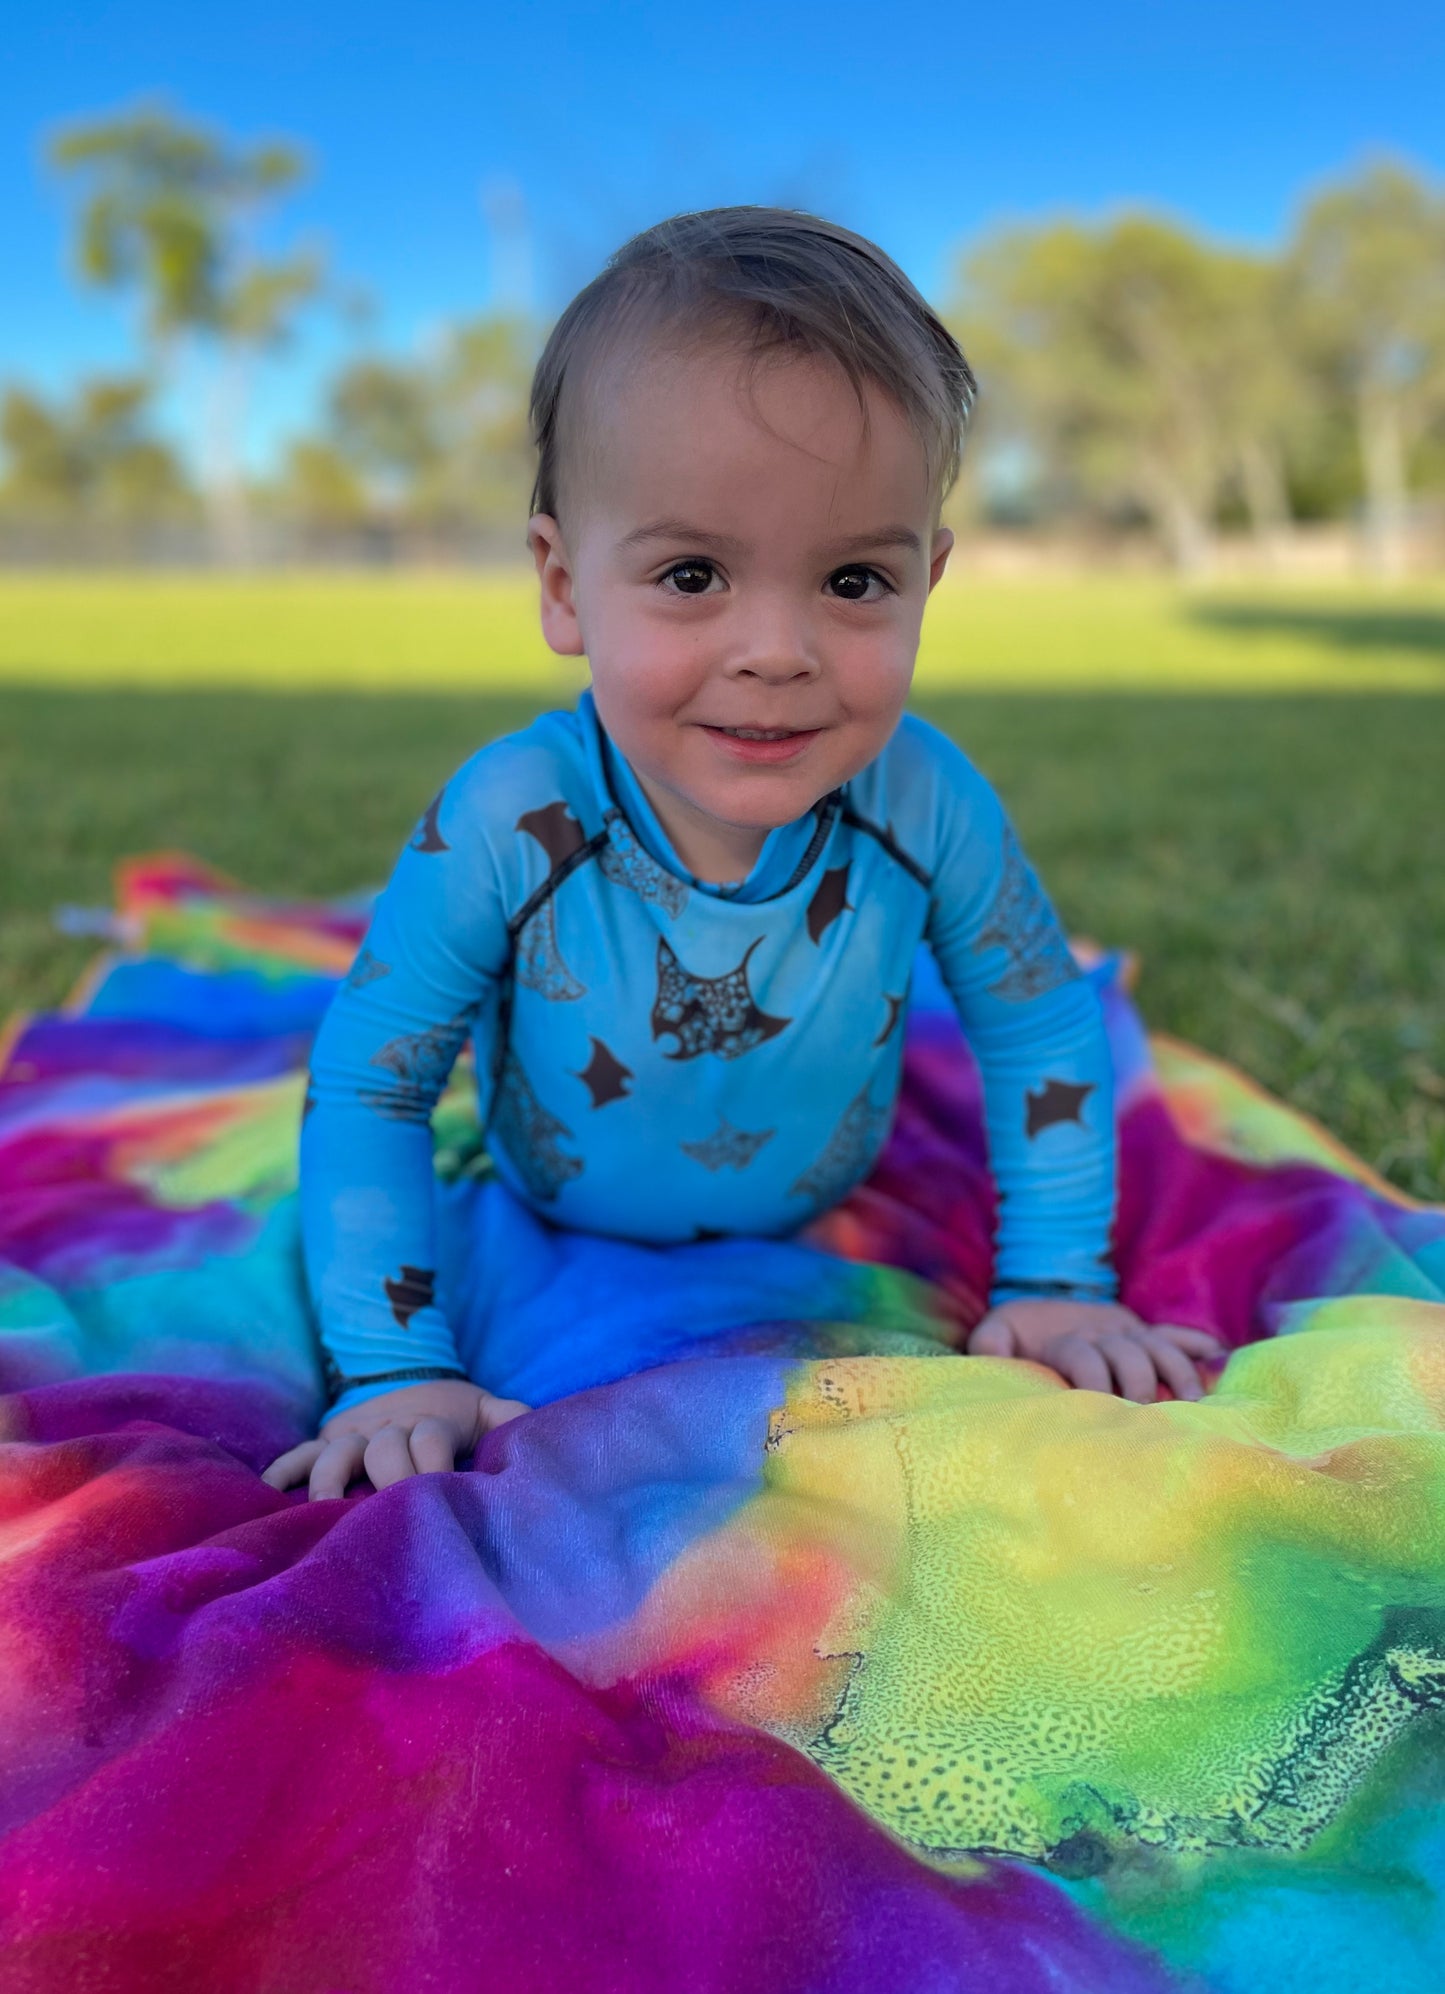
(851, 584)
(692, 577)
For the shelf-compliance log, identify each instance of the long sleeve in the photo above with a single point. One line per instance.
(1036, 1028)
(426, 977)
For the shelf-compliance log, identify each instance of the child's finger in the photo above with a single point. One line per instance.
(339, 1460)
(1081, 1362)
(1174, 1367)
(292, 1466)
(387, 1458)
(1198, 1342)
(992, 1338)
(1131, 1365)
(496, 1412)
(434, 1445)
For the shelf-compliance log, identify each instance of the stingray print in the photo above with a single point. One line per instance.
(708, 1013)
(727, 1148)
(421, 1062)
(415, 1290)
(895, 1007)
(367, 968)
(428, 838)
(1056, 1101)
(604, 1076)
(830, 900)
(529, 1133)
(847, 1153)
(623, 861)
(555, 829)
(1019, 922)
(540, 963)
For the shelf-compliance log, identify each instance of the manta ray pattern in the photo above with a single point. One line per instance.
(539, 961)
(1056, 1101)
(830, 900)
(421, 1062)
(727, 1148)
(709, 1013)
(530, 1133)
(847, 1153)
(556, 830)
(605, 1076)
(1018, 922)
(367, 968)
(623, 861)
(428, 838)
(895, 1006)
(415, 1290)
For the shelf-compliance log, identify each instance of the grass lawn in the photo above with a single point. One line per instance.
(447, 633)
(1245, 789)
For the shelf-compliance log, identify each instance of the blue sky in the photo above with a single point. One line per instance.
(921, 126)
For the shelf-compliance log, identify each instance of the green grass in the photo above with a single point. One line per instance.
(1273, 851)
(456, 634)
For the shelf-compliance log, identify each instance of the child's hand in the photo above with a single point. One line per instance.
(1098, 1345)
(418, 1430)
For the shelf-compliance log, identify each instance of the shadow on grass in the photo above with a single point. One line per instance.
(1353, 628)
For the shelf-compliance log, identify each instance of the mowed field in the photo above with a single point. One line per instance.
(1245, 787)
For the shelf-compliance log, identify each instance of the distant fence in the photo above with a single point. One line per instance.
(1321, 552)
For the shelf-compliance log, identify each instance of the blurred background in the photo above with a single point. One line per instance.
(274, 281)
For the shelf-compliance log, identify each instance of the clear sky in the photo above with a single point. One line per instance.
(585, 120)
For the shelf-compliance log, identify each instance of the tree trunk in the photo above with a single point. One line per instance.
(1181, 520)
(1382, 459)
(1261, 471)
(225, 485)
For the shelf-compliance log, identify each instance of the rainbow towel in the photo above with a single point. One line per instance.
(780, 1647)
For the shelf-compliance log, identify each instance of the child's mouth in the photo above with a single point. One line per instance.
(763, 744)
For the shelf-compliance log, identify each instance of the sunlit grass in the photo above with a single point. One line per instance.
(1190, 786)
(448, 632)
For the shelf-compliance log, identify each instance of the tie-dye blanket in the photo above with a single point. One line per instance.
(780, 1647)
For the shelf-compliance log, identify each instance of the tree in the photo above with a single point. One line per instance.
(1262, 401)
(90, 464)
(482, 382)
(1367, 271)
(170, 210)
(381, 418)
(1108, 348)
(321, 496)
(442, 443)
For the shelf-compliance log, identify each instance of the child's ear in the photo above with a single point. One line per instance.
(560, 626)
(938, 560)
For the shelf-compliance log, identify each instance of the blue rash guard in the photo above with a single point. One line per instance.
(660, 1058)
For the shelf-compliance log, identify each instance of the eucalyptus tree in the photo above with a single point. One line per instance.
(1367, 272)
(441, 442)
(87, 468)
(1103, 344)
(170, 213)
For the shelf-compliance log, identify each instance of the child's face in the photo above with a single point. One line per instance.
(734, 563)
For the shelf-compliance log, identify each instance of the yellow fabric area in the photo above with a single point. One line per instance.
(1009, 1615)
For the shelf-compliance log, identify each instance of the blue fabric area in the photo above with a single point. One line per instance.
(662, 1064)
(539, 1311)
(229, 1004)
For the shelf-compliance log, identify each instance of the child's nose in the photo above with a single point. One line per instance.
(778, 645)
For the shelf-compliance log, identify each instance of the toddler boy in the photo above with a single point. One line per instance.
(678, 923)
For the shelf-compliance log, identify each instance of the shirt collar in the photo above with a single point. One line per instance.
(786, 853)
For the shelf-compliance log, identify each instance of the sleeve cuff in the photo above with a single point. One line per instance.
(1054, 1291)
(342, 1392)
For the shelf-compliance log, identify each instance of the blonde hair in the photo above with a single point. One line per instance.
(768, 279)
